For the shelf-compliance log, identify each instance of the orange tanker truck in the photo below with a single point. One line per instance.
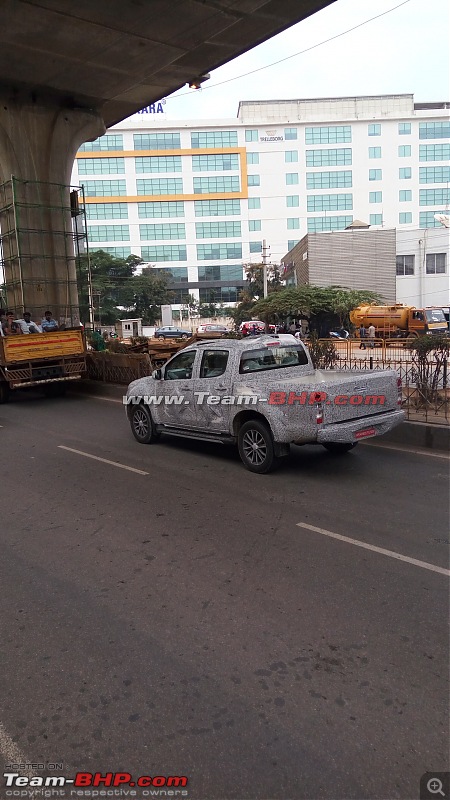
(399, 321)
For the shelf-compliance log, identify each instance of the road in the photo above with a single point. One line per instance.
(176, 620)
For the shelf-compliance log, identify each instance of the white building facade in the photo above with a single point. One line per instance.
(198, 198)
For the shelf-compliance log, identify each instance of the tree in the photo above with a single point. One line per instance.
(110, 281)
(150, 291)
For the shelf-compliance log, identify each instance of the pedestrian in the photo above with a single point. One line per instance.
(371, 333)
(254, 329)
(362, 336)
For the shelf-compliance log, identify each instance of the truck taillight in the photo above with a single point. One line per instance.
(399, 391)
(319, 415)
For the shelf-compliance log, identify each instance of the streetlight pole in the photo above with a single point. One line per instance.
(264, 261)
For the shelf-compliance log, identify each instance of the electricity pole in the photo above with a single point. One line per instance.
(264, 261)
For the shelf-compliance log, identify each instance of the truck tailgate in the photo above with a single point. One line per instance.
(361, 394)
(27, 347)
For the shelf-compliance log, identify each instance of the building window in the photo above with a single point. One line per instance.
(217, 208)
(291, 178)
(254, 203)
(293, 223)
(329, 158)
(215, 163)
(204, 139)
(292, 243)
(404, 150)
(217, 185)
(405, 217)
(164, 252)
(108, 233)
(434, 130)
(318, 224)
(217, 230)
(254, 224)
(117, 252)
(374, 152)
(434, 152)
(157, 141)
(427, 219)
(376, 219)
(255, 247)
(108, 142)
(404, 173)
(434, 174)
(329, 180)
(330, 202)
(290, 133)
(405, 195)
(251, 136)
(101, 166)
(433, 197)
(106, 210)
(159, 186)
(158, 163)
(404, 265)
(375, 174)
(333, 134)
(219, 252)
(291, 156)
(375, 197)
(174, 274)
(404, 128)
(292, 201)
(220, 272)
(160, 209)
(374, 129)
(436, 264)
(252, 158)
(105, 188)
(172, 230)
(222, 294)
(253, 180)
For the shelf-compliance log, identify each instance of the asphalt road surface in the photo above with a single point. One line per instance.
(180, 618)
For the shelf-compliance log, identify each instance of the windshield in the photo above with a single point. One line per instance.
(435, 315)
(272, 357)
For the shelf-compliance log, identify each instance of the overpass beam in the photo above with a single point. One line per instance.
(38, 144)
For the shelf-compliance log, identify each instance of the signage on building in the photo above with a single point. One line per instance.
(154, 108)
(271, 136)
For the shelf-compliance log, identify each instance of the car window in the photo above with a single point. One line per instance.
(180, 367)
(214, 363)
(272, 357)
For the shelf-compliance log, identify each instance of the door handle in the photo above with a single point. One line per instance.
(222, 386)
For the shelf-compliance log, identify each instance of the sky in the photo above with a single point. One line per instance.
(403, 51)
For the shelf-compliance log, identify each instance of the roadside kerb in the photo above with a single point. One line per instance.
(411, 434)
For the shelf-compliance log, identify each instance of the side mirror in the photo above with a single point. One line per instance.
(157, 374)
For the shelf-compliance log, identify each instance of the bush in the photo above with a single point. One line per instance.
(323, 353)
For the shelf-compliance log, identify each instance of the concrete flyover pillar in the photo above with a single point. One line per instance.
(38, 143)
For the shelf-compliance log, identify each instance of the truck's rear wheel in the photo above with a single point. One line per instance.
(256, 447)
(339, 448)
(4, 391)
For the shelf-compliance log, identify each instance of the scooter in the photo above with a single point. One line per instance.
(342, 334)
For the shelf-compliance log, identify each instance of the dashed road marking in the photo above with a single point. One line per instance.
(381, 550)
(103, 460)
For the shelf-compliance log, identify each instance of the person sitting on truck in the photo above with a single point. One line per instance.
(27, 325)
(2, 320)
(10, 327)
(49, 324)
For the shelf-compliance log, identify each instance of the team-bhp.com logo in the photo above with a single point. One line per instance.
(274, 399)
(96, 784)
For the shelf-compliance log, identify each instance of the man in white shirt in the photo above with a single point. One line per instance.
(27, 325)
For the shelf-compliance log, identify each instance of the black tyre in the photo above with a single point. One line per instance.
(256, 448)
(4, 391)
(159, 336)
(339, 448)
(142, 425)
(184, 336)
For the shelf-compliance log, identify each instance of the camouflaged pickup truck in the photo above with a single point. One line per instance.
(264, 394)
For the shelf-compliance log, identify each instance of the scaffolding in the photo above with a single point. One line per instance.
(42, 241)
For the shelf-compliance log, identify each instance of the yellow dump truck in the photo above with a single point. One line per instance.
(48, 360)
(400, 321)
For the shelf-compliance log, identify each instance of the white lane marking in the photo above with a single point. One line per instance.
(11, 753)
(104, 460)
(391, 553)
(410, 450)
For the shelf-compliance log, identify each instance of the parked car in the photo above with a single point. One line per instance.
(170, 332)
(231, 390)
(247, 328)
(212, 328)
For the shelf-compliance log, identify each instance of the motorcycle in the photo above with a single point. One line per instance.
(341, 334)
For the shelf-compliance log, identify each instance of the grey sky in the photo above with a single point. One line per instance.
(405, 51)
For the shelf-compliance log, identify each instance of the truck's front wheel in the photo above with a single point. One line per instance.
(256, 447)
(339, 448)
